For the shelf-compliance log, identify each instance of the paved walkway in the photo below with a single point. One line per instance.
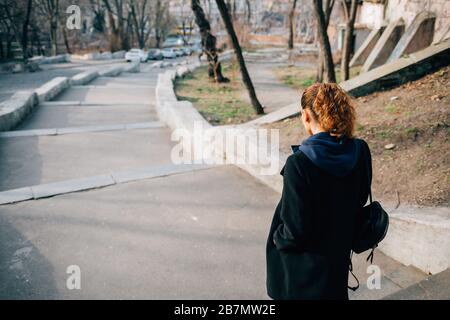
(271, 92)
(141, 227)
(169, 233)
(10, 83)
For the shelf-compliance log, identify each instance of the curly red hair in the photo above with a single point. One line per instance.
(332, 108)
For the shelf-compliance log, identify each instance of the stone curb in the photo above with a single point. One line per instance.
(14, 110)
(111, 72)
(51, 60)
(83, 129)
(97, 56)
(83, 78)
(52, 88)
(75, 185)
(134, 67)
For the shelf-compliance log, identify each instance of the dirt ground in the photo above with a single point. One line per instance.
(415, 118)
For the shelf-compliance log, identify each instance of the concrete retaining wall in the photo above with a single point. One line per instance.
(402, 70)
(384, 46)
(419, 35)
(419, 237)
(366, 48)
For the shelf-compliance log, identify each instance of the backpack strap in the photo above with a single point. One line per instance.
(367, 160)
(351, 271)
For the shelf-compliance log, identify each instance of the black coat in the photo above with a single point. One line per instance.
(309, 243)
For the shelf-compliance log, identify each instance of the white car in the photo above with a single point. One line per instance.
(187, 51)
(136, 54)
(169, 53)
(179, 52)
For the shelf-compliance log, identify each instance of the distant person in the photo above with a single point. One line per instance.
(326, 182)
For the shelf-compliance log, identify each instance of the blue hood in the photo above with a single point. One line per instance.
(337, 156)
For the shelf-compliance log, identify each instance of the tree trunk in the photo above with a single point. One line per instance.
(208, 43)
(26, 23)
(115, 33)
(324, 42)
(9, 53)
(54, 35)
(66, 40)
(237, 49)
(2, 51)
(319, 75)
(137, 26)
(249, 12)
(291, 25)
(328, 7)
(54, 8)
(348, 39)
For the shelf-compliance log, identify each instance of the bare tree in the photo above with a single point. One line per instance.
(51, 10)
(159, 9)
(119, 24)
(207, 8)
(325, 54)
(15, 16)
(140, 14)
(237, 49)
(99, 15)
(163, 21)
(208, 43)
(328, 8)
(187, 21)
(291, 25)
(350, 16)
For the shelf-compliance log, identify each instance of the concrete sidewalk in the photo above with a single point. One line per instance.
(11, 83)
(271, 92)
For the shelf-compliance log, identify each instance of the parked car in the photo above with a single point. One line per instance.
(179, 52)
(169, 53)
(155, 54)
(136, 54)
(197, 48)
(187, 51)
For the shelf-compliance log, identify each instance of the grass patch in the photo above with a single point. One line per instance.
(218, 103)
(296, 77)
(391, 108)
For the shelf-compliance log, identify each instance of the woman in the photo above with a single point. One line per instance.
(325, 184)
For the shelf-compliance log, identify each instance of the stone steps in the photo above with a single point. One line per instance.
(435, 287)
(394, 276)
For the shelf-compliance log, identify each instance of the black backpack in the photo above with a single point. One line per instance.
(372, 222)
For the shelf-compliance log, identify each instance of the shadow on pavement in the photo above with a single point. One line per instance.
(24, 272)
